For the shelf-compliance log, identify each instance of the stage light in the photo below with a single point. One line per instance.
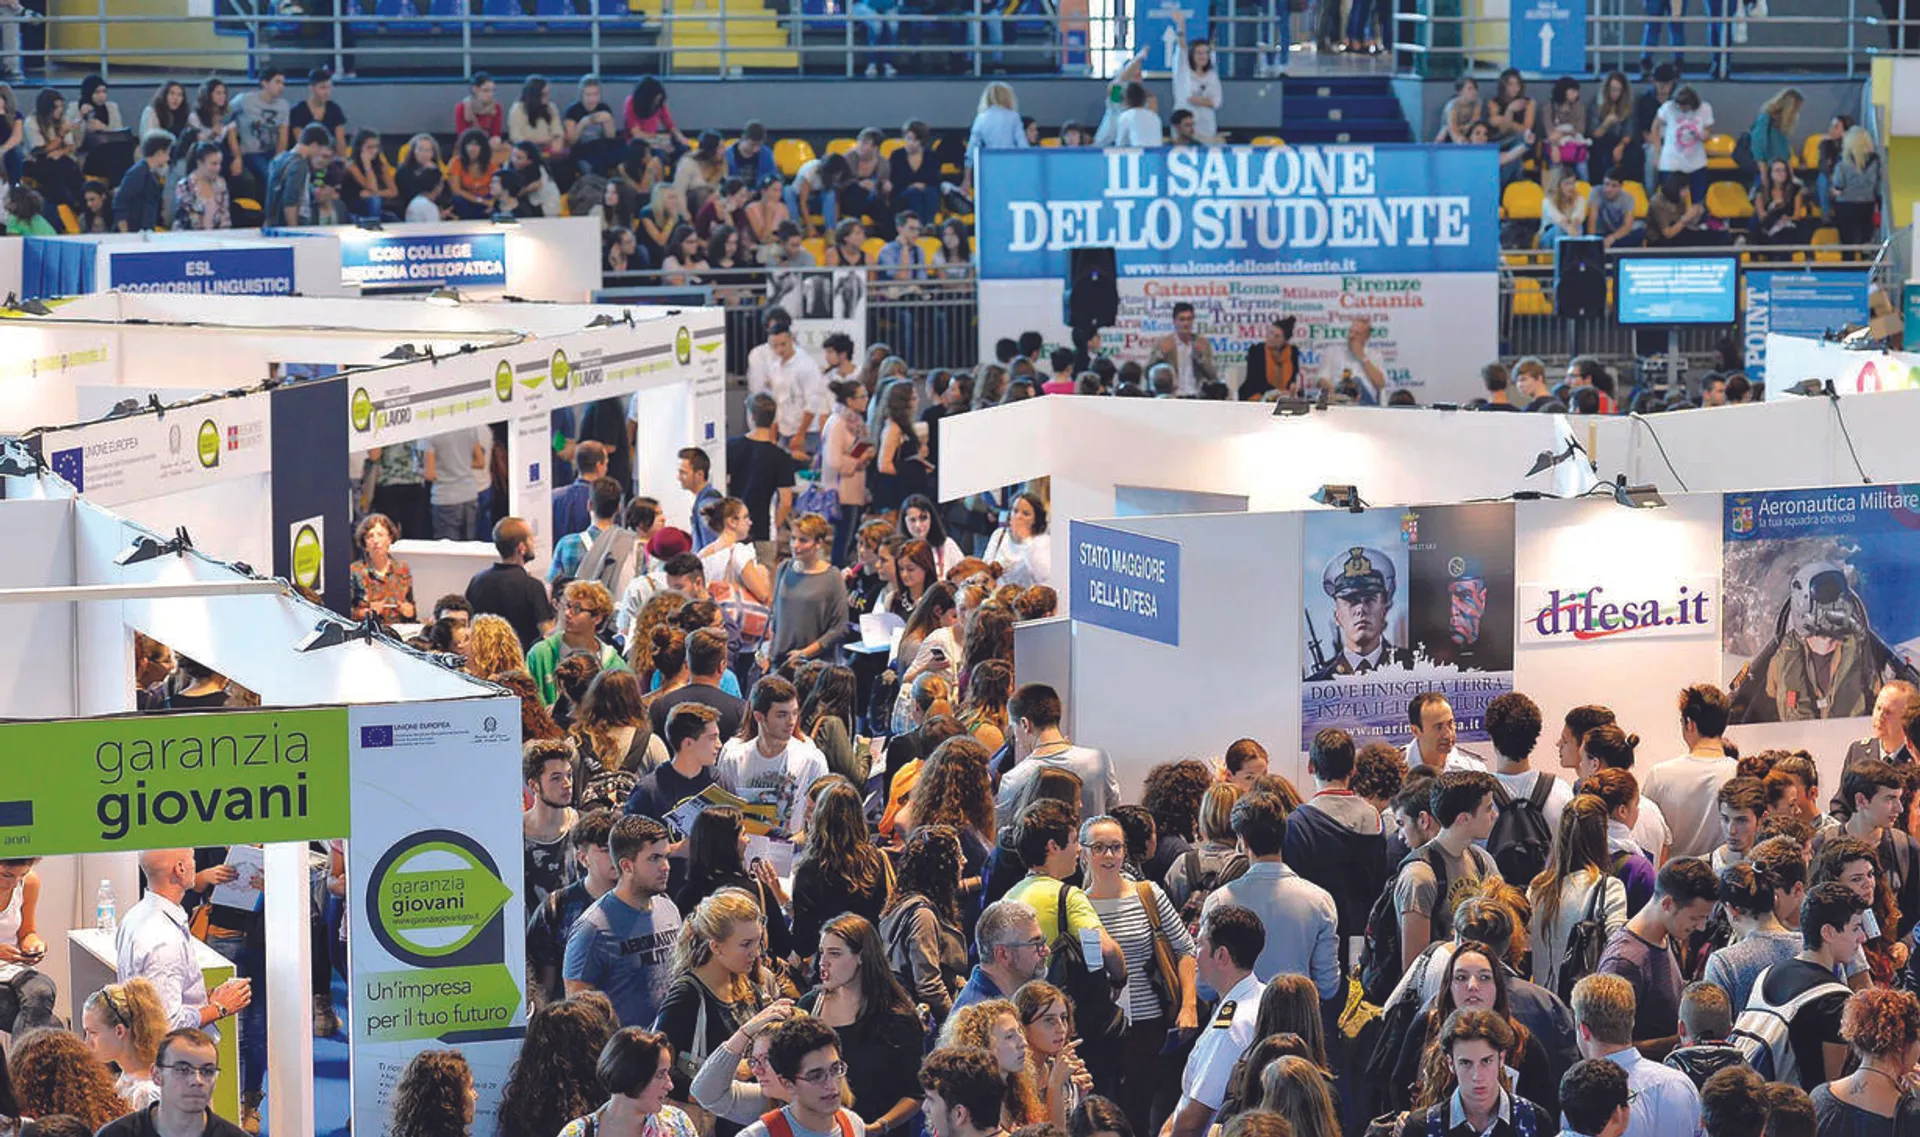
(447, 296)
(403, 353)
(1811, 387)
(145, 548)
(1636, 497)
(17, 461)
(333, 633)
(1340, 497)
(1288, 406)
(370, 225)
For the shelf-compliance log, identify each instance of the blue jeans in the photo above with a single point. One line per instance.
(455, 522)
(249, 962)
(923, 200)
(880, 32)
(829, 206)
(1658, 12)
(256, 167)
(1358, 19)
(1719, 32)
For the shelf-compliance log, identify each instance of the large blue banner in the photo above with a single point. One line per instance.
(266, 271)
(1240, 210)
(383, 263)
(1126, 581)
(1806, 303)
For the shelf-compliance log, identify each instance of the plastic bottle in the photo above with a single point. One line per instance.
(105, 917)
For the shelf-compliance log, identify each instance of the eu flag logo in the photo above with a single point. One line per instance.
(375, 737)
(71, 465)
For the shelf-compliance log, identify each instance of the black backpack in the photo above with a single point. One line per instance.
(1585, 942)
(1202, 881)
(1522, 840)
(1380, 953)
(1096, 1011)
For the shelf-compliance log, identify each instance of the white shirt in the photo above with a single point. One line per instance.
(1339, 362)
(1661, 1101)
(1520, 786)
(1099, 784)
(777, 781)
(1683, 137)
(1650, 832)
(1138, 126)
(797, 388)
(1459, 758)
(1221, 1045)
(1687, 790)
(1026, 563)
(154, 944)
(1186, 84)
(1183, 381)
(422, 210)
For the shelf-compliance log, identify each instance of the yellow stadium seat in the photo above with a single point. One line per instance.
(1268, 140)
(817, 246)
(1720, 152)
(872, 247)
(928, 247)
(1585, 188)
(1726, 201)
(1522, 200)
(789, 154)
(842, 145)
(1050, 143)
(1825, 235)
(69, 220)
(1638, 193)
(1529, 299)
(888, 146)
(1809, 153)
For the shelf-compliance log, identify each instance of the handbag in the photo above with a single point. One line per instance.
(815, 497)
(745, 617)
(1165, 976)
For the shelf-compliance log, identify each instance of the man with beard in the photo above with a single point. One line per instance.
(1360, 581)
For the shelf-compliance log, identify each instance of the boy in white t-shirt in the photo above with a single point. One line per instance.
(425, 207)
(770, 766)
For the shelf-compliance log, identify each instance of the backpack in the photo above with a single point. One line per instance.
(1090, 992)
(609, 560)
(1585, 942)
(1202, 881)
(1521, 839)
(1761, 1032)
(1704, 1060)
(1380, 952)
(778, 1126)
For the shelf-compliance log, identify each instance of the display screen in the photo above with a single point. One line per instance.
(1678, 290)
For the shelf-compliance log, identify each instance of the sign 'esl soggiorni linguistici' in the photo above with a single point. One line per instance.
(165, 781)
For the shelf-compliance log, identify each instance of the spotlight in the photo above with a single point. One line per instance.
(1636, 497)
(447, 296)
(603, 320)
(370, 225)
(1341, 497)
(16, 461)
(30, 307)
(145, 548)
(403, 353)
(333, 633)
(1810, 387)
(1547, 459)
(1289, 406)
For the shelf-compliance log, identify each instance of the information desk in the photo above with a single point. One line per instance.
(92, 965)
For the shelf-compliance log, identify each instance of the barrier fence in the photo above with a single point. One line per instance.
(822, 37)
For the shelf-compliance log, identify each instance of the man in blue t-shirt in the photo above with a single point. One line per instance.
(623, 945)
(670, 793)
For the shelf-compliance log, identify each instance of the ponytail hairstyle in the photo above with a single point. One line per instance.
(711, 922)
(134, 1005)
(1747, 889)
(1610, 747)
(718, 513)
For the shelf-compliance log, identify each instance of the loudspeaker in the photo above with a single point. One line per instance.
(1093, 293)
(1580, 277)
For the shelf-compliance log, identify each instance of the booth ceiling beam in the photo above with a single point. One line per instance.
(173, 591)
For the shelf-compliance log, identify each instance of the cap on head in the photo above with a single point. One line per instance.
(1360, 569)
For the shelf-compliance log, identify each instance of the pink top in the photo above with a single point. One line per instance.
(494, 122)
(1057, 387)
(660, 122)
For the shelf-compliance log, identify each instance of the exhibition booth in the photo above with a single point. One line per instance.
(556, 259)
(310, 386)
(414, 765)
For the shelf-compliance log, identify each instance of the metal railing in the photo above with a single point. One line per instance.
(930, 322)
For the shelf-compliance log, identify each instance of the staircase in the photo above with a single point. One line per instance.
(755, 39)
(1341, 108)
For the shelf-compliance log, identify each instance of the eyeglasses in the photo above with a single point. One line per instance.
(1107, 848)
(190, 1072)
(1037, 943)
(824, 1075)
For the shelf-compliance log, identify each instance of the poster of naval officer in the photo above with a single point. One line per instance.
(1399, 602)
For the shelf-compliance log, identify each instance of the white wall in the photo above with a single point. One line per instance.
(1233, 674)
(37, 666)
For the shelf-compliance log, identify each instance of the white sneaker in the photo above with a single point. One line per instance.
(871, 71)
(890, 71)
(1757, 10)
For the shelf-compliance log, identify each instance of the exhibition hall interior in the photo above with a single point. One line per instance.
(959, 568)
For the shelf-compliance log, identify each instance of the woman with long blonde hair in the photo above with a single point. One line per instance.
(718, 981)
(124, 1023)
(492, 647)
(1575, 886)
(1856, 187)
(994, 1026)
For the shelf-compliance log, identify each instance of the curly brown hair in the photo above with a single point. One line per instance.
(1172, 793)
(431, 1098)
(1880, 1021)
(654, 613)
(535, 721)
(492, 647)
(556, 1073)
(953, 788)
(54, 1072)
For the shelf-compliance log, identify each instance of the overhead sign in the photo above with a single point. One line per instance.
(1678, 290)
(1805, 303)
(1128, 582)
(1156, 31)
(1241, 210)
(1549, 36)
(265, 270)
(1574, 613)
(146, 455)
(161, 781)
(381, 263)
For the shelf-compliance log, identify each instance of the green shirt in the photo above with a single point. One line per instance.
(1042, 894)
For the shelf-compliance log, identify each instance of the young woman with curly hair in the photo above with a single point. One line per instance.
(1172, 793)
(54, 1072)
(922, 927)
(554, 1079)
(719, 983)
(994, 1026)
(614, 737)
(435, 1096)
(1476, 980)
(1882, 1028)
(492, 647)
(535, 721)
(983, 712)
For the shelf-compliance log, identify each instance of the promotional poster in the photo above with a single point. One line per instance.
(1399, 603)
(822, 302)
(1819, 600)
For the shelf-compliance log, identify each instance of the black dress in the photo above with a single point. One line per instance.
(882, 1051)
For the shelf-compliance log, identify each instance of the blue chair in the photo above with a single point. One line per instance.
(509, 13)
(617, 12)
(398, 16)
(560, 10)
(447, 14)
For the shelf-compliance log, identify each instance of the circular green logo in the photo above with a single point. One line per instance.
(306, 557)
(209, 444)
(503, 382)
(558, 371)
(362, 407)
(683, 346)
(434, 896)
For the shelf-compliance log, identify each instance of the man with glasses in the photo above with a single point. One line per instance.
(185, 1070)
(585, 607)
(1012, 951)
(804, 1058)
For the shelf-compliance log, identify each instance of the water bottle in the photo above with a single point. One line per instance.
(104, 917)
